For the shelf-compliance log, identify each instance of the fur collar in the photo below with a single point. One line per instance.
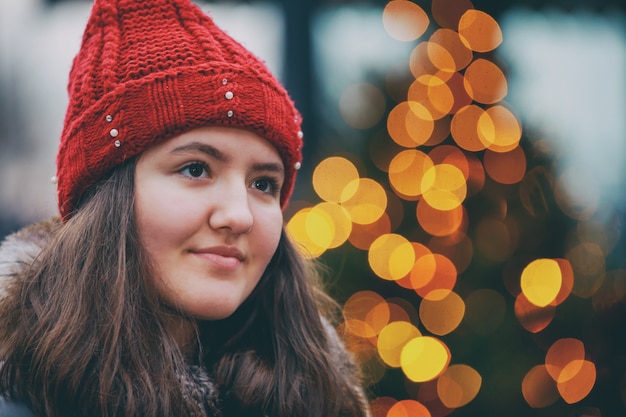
(19, 250)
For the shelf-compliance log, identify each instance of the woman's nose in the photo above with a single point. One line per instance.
(231, 210)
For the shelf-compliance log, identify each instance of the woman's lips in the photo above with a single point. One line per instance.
(221, 257)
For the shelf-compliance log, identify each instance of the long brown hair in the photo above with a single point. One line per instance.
(88, 335)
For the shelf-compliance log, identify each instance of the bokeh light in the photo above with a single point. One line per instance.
(538, 388)
(506, 168)
(423, 268)
(480, 31)
(331, 176)
(362, 105)
(530, 316)
(428, 394)
(334, 220)
(485, 82)
(392, 340)
(439, 222)
(541, 281)
(499, 129)
(424, 358)
(368, 308)
(404, 20)
(446, 154)
(464, 128)
(561, 354)
(456, 84)
(447, 51)
(363, 235)
(408, 408)
(567, 280)
(432, 94)
(298, 229)
(406, 171)
(578, 379)
(458, 385)
(439, 283)
(442, 314)
(365, 200)
(391, 256)
(410, 124)
(444, 187)
(419, 61)
(588, 264)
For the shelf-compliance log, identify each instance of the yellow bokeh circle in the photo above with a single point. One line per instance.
(331, 176)
(330, 218)
(391, 256)
(297, 228)
(444, 187)
(365, 200)
(541, 281)
(392, 339)
(424, 358)
(406, 171)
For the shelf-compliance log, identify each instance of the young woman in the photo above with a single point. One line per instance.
(168, 287)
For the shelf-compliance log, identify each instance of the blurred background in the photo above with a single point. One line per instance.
(464, 180)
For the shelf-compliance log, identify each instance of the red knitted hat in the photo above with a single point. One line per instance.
(150, 70)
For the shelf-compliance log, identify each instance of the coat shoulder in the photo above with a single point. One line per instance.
(20, 249)
(14, 408)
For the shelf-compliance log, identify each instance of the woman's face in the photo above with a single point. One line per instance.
(208, 212)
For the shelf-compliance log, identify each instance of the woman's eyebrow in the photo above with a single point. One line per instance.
(269, 166)
(221, 156)
(201, 147)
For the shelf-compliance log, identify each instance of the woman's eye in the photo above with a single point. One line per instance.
(266, 185)
(195, 170)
